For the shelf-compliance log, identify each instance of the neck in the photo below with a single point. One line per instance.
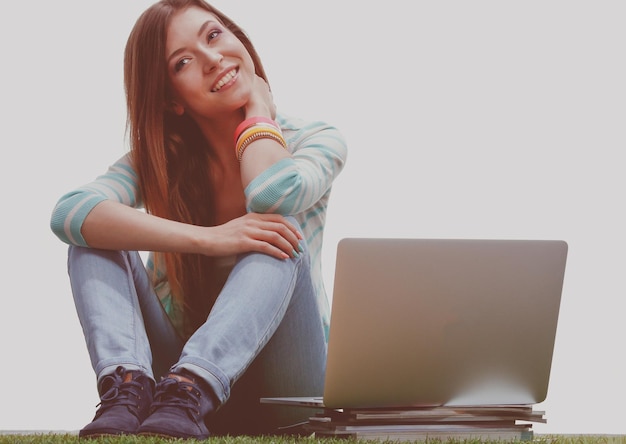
(219, 135)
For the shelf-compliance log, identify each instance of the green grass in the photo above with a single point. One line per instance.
(44, 438)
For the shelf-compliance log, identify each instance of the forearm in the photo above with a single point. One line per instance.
(114, 226)
(317, 153)
(258, 157)
(262, 153)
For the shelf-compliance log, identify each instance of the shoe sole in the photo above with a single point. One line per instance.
(168, 436)
(105, 435)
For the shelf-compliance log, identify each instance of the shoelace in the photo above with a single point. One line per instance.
(120, 392)
(177, 394)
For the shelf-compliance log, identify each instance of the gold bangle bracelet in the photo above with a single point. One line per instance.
(241, 147)
(248, 132)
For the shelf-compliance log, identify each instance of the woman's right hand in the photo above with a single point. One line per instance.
(271, 234)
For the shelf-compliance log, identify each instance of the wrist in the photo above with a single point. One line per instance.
(198, 238)
(257, 109)
(255, 128)
(255, 121)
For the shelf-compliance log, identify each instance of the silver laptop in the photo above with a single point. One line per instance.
(441, 322)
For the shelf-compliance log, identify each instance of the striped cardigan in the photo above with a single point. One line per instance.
(299, 186)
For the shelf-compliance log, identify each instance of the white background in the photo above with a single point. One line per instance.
(477, 119)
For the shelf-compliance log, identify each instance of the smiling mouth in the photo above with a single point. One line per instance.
(224, 80)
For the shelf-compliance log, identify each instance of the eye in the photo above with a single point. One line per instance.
(181, 64)
(213, 35)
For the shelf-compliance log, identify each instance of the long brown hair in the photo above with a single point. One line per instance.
(169, 153)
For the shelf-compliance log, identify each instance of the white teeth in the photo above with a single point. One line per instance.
(224, 80)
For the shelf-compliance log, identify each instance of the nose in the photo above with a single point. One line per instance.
(211, 59)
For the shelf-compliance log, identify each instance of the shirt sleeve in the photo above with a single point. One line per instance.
(295, 184)
(119, 183)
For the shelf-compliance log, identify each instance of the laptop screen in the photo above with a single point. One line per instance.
(443, 321)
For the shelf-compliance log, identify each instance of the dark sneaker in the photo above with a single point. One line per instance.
(124, 403)
(181, 401)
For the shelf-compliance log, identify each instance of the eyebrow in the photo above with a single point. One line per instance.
(204, 26)
(200, 32)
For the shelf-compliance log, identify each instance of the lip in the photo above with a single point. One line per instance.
(225, 79)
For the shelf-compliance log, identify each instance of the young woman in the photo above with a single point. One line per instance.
(230, 305)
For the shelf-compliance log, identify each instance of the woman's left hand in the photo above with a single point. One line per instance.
(261, 101)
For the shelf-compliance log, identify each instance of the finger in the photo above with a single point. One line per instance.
(276, 223)
(269, 249)
(291, 233)
(275, 236)
(282, 220)
(294, 230)
(283, 239)
(264, 243)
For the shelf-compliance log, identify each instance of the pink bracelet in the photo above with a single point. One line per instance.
(247, 123)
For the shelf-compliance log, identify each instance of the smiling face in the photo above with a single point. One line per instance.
(210, 72)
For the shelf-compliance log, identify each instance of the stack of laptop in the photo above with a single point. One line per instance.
(439, 338)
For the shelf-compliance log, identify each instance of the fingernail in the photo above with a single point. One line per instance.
(300, 248)
(294, 253)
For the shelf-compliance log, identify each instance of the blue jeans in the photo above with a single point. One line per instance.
(263, 337)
